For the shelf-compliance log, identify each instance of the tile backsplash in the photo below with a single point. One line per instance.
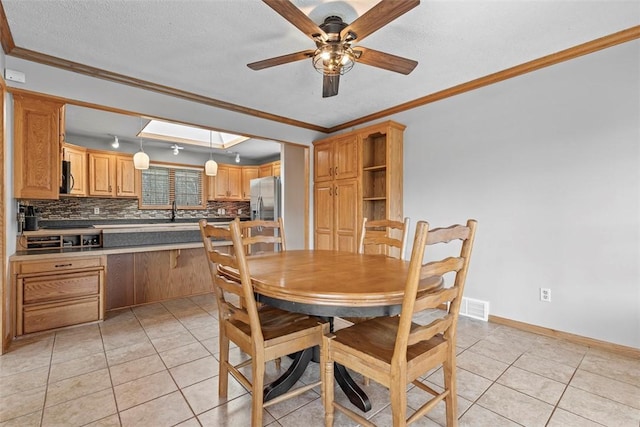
(112, 209)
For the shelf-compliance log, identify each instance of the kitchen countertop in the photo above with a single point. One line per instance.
(42, 254)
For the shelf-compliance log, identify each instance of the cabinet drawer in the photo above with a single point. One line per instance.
(60, 264)
(60, 286)
(56, 315)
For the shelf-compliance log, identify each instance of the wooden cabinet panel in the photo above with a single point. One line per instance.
(266, 170)
(162, 275)
(100, 174)
(119, 282)
(60, 286)
(323, 162)
(345, 160)
(248, 173)
(276, 168)
(346, 214)
(235, 183)
(112, 175)
(77, 156)
(126, 177)
(43, 317)
(37, 147)
(227, 183)
(323, 213)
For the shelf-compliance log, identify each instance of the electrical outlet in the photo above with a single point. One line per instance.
(545, 294)
(96, 211)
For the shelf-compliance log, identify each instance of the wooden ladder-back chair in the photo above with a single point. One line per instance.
(264, 333)
(396, 351)
(260, 236)
(384, 236)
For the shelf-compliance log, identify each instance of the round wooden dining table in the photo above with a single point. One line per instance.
(329, 284)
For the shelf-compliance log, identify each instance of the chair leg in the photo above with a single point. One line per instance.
(223, 371)
(326, 375)
(451, 401)
(257, 368)
(398, 393)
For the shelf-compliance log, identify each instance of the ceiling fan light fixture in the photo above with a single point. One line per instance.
(334, 59)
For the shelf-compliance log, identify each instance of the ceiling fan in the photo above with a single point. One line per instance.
(335, 52)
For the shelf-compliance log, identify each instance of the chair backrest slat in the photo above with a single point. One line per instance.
(380, 236)
(408, 334)
(425, 332)
(234, 292)
(262, 232)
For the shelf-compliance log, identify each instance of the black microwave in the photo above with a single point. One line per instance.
(67, 178)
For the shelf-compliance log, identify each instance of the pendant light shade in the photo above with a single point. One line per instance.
(210, 166)
(141, 159)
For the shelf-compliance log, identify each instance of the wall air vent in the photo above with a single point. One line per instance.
(474, 308)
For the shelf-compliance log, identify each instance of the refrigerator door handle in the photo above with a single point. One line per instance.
(260, 212)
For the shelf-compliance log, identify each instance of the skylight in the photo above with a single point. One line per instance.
(174, 132)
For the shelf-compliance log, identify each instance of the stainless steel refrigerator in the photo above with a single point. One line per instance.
(265, 205)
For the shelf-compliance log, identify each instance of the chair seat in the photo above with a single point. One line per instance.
(377, 337)
(276, 323)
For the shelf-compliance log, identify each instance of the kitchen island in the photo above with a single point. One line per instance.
(63, 286)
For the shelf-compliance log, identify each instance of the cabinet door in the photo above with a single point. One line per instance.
(126, 177)
(248, 173)
(36, 153)
(101, 172)
(323, 215)
(266, 170)
(222, 183)
(235, 183)
(345, 195)
(323, 162)
(345, 160)
(276, 168)
(77, 156)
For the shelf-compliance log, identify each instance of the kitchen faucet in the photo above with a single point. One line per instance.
(174, 210)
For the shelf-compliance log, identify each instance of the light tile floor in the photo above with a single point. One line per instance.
(156, 365)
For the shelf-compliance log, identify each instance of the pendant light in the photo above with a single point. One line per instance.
(141, 159)
(211, 167)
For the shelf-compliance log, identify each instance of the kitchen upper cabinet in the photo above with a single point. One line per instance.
(270, 169)
(248, 173)
(77, 157)
(112, 175)
(37, 135)
(227, 184)
(336, 158)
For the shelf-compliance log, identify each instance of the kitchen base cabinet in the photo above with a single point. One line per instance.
(163, 275)
(58, 292)
(119, 291)
(146, 277)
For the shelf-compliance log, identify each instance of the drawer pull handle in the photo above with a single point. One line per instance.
(63, 265)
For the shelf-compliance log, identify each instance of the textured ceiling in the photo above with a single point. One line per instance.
(203, 46)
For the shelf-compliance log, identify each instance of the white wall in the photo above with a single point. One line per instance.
(549, 165)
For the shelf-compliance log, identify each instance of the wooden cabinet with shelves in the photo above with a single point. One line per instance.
(77, 157)
(112, 175)
(248, 173)
(47, 239)
(37, 135)
(358, 174)
(58, 292)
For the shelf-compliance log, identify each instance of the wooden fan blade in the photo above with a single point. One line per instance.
(279, 60)
(330, 85)
(386, 61)
(377, 17)
(294, 15)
